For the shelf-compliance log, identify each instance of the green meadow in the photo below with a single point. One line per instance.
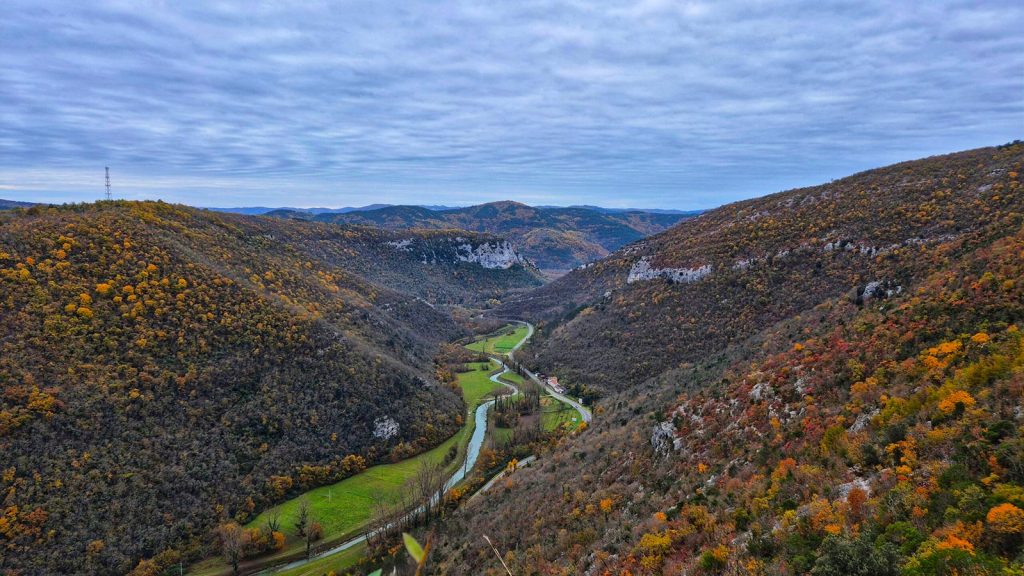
(500, 342)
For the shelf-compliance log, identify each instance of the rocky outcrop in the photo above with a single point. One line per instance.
(494, 254)
(490, 253)
(385, 428)
(663, 438)
(642, 270)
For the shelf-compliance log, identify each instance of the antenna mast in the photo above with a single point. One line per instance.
(108, 183)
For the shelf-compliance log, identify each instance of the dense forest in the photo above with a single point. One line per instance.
(556, 239)
(877, 430)
(165, 369)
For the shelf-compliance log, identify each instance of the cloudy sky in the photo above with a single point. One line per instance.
(654, 103)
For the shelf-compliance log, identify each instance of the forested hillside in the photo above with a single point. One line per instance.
(440, 266)
(684, 294)
(876, 430)
(556, 239)
(165, 368)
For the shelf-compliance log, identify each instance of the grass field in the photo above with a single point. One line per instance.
(555, 413)
(512, 377)
(501, 435)
(344, 508)
(477, 383)
(503, 341)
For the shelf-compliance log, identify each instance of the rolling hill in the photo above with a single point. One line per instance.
(164, 368)
(823, 381)
(556, 239)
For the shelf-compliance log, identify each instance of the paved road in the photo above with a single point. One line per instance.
(499, 476)
(583, 410)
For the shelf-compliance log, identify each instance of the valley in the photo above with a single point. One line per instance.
(346, 510)
(820, 381)
(556, 239)
(545, 288)
(810, 382)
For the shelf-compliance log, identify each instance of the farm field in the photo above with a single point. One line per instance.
(500, 343)
(512, 378)
(555, 413)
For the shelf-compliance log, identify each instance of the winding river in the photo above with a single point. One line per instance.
(476, 443)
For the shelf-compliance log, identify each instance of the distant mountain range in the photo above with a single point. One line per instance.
(556, 239)
(259, 210)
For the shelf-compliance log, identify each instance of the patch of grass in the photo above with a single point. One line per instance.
(477, 383)
(502, 341)
(512, 378)
(554, 414)
(501, 435)
(344, 508)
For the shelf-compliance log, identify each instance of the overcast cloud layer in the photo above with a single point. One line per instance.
(656, 103)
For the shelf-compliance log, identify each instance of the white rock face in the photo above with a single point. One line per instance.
(663, 438)
(881, 289)
(761, 391)
(862, 421)
(400, 244)
(498, 254)
(642, 270)
(843, 490)
(385, 428)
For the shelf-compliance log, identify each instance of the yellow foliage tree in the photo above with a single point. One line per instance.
(1005, 519)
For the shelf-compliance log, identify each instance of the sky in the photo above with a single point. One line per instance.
(667, 104)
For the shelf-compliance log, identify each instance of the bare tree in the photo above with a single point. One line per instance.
(428, 483)
(380, 518)
(232, 543)
(307, 526)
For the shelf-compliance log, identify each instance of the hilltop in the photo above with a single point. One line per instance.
(172, 367)
(824, 380)
(556, 239)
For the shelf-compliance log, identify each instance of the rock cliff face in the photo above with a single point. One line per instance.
(555, 239)
(713, 280)
(642, 270)
(498, 254)
(489, 253)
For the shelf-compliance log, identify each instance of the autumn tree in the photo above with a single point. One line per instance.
(233, 540)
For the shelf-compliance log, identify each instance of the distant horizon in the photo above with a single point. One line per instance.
(364, 207)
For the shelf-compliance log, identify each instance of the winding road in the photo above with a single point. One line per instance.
(583, 410)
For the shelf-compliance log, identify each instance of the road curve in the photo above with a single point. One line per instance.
(583, 410)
